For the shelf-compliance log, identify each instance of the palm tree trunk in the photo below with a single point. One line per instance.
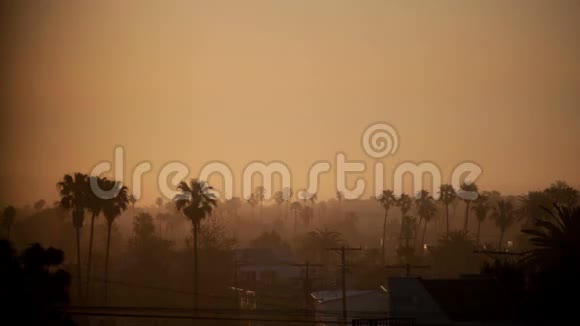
(500, 239)
(402, 230)
(466, 216)
(89, 259)
(424, 230)
(195, 267)
(417, 231)
(478, 230)
(384, 237)
(295, 222)
(79, 279)
(107, 262)
(447, 220)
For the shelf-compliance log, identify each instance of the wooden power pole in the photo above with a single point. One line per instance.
(343, 251)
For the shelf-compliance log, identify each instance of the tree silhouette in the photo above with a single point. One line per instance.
(196, 203)
(387, 200)
(94, 205)
(426, 210)
(447, 196)
(112, 208)
(505, 216)
(39, 204)
(467, 187)
(279, 199)
(296, 207)
(287, 195)
(481, 210)
(33, 285)
(260, 195)
(253, 201)
(562, 194)
(73, 196)
(8, 219)
(320, 239)
(404, 203)
(556, 240)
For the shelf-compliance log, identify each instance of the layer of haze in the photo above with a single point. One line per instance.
(495, 82)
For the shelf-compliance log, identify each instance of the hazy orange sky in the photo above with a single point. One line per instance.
(495, 82)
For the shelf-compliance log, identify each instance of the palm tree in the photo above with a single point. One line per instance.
(387, 200)
(562, 194)
(504, 216)
(534, 206)
(447, 196)
(556, 239)
(260, 194)
(467, 187)
(8, 220)
(296, 207)
(94, 204)
(73, 196)
(112, 208)
(196, 203)
(481, 209)
(287, 193)
(321, 239)
(404, 203)
(313, 198)
(339, 198)
(426, 210)
(253, 202)
(279, 199)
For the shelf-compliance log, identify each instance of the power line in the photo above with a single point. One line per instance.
(195, 317)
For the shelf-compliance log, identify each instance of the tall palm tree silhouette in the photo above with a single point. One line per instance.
(287, 193)
(279, 199)
(504, 216)
(94, 204)
(404, 203)
(467, 187)
(8, 220)
(196, 203)
(313, 198)
(447, 196)
(296, 207)
(253, 202)
(387, 200)
(481, 210)
(260, 195)
(73, 192)
(426, 210)
(112, 208)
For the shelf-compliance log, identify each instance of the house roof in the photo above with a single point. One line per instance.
(331, 295)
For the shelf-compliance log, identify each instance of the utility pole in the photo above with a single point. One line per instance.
(343, 251)
(306, 284)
